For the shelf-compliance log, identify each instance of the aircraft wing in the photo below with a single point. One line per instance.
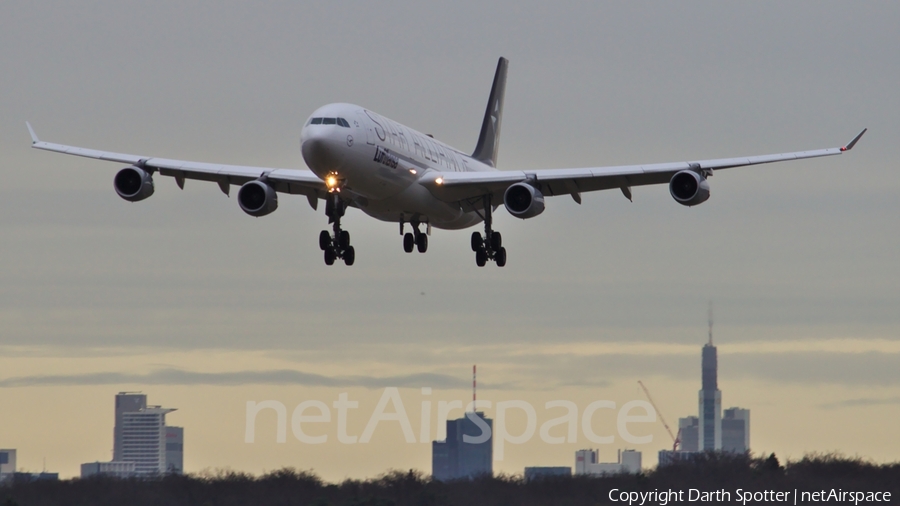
(294, 181)
(469, 187)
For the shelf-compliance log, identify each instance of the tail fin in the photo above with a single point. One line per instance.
(489, 140)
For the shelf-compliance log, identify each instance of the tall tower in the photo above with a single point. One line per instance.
(710, 397)
(141, 434)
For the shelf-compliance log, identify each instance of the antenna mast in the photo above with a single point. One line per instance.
(710, 322)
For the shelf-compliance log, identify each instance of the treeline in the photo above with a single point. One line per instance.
(289, 487)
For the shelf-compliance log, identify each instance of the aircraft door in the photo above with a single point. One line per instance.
(368, 127)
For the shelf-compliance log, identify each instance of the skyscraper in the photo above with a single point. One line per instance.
(736, 430)
(689, 427)
(140, 435)
(710, 398)
(467, 451)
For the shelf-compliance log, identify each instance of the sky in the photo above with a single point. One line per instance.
(188, 299)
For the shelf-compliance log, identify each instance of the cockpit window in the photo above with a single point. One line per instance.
(330, 121)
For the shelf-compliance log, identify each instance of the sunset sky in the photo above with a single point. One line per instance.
(203, 308)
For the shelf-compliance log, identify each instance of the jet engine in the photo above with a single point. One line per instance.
(133, 184)
(689, 188)
(257, 198)
(523, 200)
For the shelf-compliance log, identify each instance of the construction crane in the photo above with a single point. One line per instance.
(676, 440)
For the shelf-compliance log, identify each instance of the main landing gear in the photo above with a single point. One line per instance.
(337, 245)
(489, 247)
(414, 239)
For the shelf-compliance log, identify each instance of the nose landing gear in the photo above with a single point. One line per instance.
(337, 245)
(490, 246)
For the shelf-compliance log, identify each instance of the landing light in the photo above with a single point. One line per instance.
(331, 181)
(413, 172)
(439, 180)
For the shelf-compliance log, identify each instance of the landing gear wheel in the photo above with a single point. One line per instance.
(422, 243)
(349, 256)
(330, 255)
(481, 257)
(477, 241)
(344, 240)
(324, 240)
(496, 241)
(500, 258)
(409, 242)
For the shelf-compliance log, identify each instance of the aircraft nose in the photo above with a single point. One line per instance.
(319, 153)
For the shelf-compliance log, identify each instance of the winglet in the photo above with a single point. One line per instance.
(34, 137)
(848, 147)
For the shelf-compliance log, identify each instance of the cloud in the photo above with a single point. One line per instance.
(861, 402)
(173, 376)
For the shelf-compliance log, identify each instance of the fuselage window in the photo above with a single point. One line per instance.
(329, 121)
(316, 121)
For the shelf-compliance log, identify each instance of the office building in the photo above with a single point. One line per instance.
(141, 436)
(736, 430)
(174, 450)
(8, 469)
(689, 428)
(113, 469)
(467, 451)
(628, 461)
(584, 459)
(7, 463)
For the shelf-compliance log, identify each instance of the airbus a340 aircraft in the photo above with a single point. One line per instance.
(391, 172)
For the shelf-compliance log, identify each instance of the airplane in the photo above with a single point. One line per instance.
(358, 158)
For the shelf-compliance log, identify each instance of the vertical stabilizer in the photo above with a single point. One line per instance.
(489, 140)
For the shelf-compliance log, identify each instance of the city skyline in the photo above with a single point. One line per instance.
(187, 298)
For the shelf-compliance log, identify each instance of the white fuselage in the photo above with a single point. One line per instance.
(379, 163)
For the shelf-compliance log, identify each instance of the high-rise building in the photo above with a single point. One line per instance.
(140, 436)
(710, 398)
(689, 427)
(174, 450)
(468, 450)
(736, 430)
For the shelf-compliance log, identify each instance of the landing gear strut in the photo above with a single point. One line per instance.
(490, 246)
(414, 239)
(337, 245)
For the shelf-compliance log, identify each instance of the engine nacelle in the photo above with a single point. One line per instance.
(523, 200)
(689, 188)
(257, 198)
(133, 184)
